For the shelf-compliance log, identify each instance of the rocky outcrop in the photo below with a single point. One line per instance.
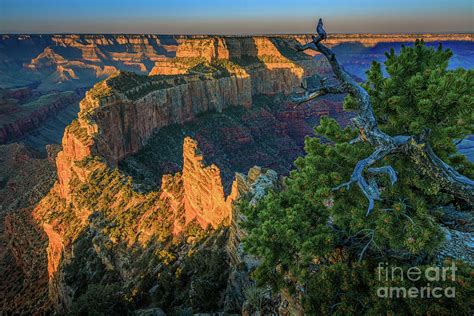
(204, 198)
(196, 193)
(254, 186)
(72, 61)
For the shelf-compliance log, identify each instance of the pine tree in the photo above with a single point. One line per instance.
(310, 236)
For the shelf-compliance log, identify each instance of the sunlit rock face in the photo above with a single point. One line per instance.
(195, 195)
(203, 191)
(50, 65)
(116, 119)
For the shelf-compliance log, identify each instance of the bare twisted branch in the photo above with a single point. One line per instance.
(312, 94)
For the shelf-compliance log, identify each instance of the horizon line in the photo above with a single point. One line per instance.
(242, 34)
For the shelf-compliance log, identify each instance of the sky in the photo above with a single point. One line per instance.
(235, 16)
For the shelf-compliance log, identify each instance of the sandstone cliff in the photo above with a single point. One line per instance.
(93, 202)
(49, 64)
(119, 115)
(116, 119)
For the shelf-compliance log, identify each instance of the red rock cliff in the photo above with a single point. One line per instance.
(119, 114)
(116, 119)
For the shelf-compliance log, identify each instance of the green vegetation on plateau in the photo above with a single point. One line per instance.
(309, 236)
(136, 86)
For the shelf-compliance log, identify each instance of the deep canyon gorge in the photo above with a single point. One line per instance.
(123, 157)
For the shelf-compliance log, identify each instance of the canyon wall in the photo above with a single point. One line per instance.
(116, 119)
(115, 126)
(69, 61)
(130, 123)
(51, 64)
(119, 114)
(20, 118)
(136, 51)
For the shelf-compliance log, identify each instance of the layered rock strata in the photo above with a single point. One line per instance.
(49, 64)
(116, 119)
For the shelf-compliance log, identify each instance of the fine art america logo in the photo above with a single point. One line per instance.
(437, 275)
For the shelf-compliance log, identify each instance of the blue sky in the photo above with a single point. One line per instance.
(233, 17)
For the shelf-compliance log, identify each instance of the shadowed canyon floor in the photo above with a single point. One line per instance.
(270, 134)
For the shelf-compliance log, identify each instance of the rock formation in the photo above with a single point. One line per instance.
(116, 119)
(52, 64)
(255, 185)
(203, 192)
